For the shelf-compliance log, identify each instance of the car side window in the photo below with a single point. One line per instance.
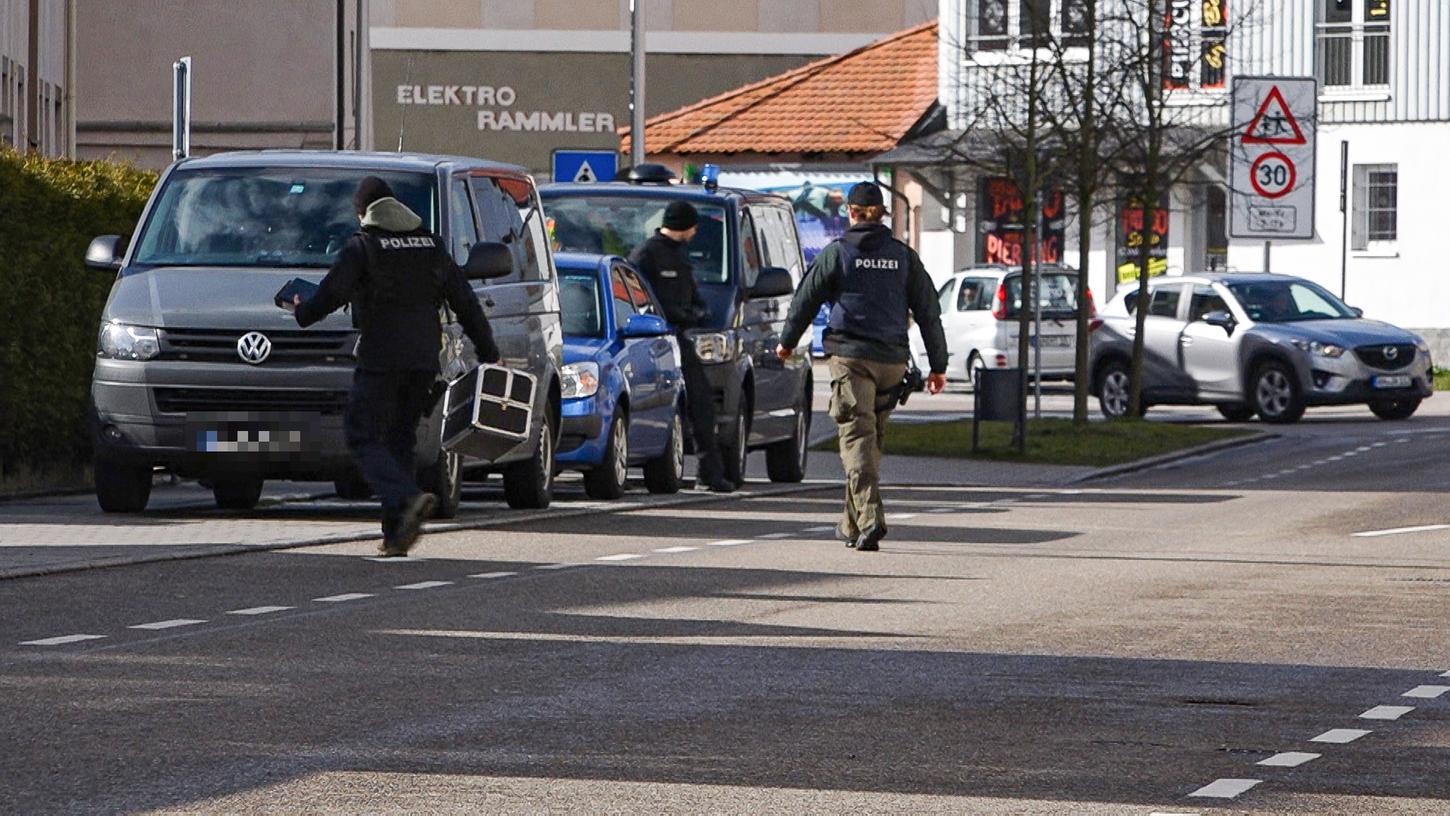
(972, 298)
(781, 247)
(462, 230)
(643, 302)
(1205, 300)
(945, 293)
(749, 251)
(510, 215)
(620, 297)
(1165, 301)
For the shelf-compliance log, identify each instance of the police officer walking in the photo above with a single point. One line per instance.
(873, 281)
(664, 260)
(395, 275)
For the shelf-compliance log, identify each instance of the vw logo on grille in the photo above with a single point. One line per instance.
(254, 347)
(1390, 352)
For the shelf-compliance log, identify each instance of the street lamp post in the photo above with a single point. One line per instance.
(636, 83)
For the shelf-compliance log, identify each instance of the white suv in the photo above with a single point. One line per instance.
(980, 307)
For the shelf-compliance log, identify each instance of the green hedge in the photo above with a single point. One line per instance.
(50, 303)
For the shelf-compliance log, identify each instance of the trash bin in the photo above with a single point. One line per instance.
(997, 397)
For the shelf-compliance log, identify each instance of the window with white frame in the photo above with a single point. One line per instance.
(1352, 43)
(1376, 205)
(1005, 25)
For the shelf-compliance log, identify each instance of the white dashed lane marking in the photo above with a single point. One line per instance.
(1340, 736)
(493, 575)
(775, 536)
(824, 528)
(676, 549)
(1225, 788)
(1386, 712)
(61, 640)
(1289, 759)
(393, 559)
(556, 566)
(1426, 692)
(1424, 528)
(258, 610)
(619, 557)
(424, 585)
(346, 596)
(730, 542)
(167, 624)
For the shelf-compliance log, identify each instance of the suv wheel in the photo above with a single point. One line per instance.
(735, 451)
(975, 363)
(1276, 393)
(236, 492)
(666, 473)
(1236, 412)
(444, 479)
(1396, 408)
(529, 485)
(122, 488)
(785, 461)
(1115, 390)
(608, 480)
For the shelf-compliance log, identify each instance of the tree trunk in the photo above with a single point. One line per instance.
(1081, 378)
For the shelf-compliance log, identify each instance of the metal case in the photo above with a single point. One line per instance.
(488, 412)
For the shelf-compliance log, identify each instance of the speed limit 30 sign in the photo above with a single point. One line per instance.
(1272, 157)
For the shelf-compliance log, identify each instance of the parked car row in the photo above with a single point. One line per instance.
(197, 372)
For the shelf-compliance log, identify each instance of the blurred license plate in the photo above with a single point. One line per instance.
(1055, 341)
(1395, 381)
(245, 437)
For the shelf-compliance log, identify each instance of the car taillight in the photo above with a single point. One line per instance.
(1092, 307)
(1094, 324)
(999, 302)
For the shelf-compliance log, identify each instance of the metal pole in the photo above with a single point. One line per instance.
(181, 109)
(339, 120)
(1343, 219)
(1037, 314)
(1267, 246)
(636, 83)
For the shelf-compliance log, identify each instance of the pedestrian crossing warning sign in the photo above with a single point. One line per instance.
(1274, 123)
(585, 166)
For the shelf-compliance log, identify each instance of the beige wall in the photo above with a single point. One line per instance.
(773, 16)
(29, 120)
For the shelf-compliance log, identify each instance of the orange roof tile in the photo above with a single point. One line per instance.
(863, 101)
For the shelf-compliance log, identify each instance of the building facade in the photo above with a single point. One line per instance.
(37, 75)
(1383, 74)
(515, 80)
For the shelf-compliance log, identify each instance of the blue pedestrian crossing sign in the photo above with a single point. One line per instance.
(585, 166)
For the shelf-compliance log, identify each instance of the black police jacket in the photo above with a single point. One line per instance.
(395, 283)
(665, 263)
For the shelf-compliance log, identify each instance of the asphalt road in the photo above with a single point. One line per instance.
(1110, 647)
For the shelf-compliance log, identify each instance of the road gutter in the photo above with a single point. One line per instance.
(1175, 457)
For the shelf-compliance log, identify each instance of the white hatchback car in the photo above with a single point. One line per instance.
(980, 306)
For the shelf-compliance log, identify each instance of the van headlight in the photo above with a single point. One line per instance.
(121, 342)
(715, 347)
(1320, 349)
(580, 380)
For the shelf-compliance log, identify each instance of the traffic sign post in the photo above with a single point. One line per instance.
(1272, 158)
(585, 166)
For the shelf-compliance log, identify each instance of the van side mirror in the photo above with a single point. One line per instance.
(773, 282)
(1358, 312)
(1221, 319)
(488, 260)
(643, 325)
(104, 253)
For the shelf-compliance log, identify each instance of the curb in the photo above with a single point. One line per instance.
(1177, 456)
(433, 528)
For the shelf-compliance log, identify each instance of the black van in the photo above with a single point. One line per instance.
(198, 372)
(747, 260)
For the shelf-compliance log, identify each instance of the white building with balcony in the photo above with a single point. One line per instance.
(1383, 71)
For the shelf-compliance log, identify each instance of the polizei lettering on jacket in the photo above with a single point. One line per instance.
(890, 264)
(407, 242)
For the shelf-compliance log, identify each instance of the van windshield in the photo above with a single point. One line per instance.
(289, 216)
(615, 225)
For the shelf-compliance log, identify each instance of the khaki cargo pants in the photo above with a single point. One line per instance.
(855, 384)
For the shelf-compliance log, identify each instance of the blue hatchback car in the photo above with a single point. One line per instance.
(622, 386)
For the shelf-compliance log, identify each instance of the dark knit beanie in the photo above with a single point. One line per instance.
(369, 190)
(680, 215)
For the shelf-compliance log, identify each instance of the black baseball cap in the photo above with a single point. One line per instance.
(866, 194)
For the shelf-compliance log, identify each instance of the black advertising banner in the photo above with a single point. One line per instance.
(1215, 43)
(1178, 56)
(1132, 232)
(1000, 208)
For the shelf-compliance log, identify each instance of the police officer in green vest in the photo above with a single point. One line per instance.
(874, 282)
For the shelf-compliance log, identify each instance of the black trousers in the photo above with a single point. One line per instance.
(700, 399)
(382, 431)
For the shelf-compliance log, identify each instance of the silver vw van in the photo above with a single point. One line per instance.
(200, 373)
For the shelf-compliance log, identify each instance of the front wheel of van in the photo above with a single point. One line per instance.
(237, 492)
(735, 450)
(122, 488)
(444, 479)
(785, 461)
(529, 485)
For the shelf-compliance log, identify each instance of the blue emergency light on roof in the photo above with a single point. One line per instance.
(710, 177)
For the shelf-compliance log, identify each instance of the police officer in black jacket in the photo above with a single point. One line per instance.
(664, 259)
(874, 283)
(395, 275)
